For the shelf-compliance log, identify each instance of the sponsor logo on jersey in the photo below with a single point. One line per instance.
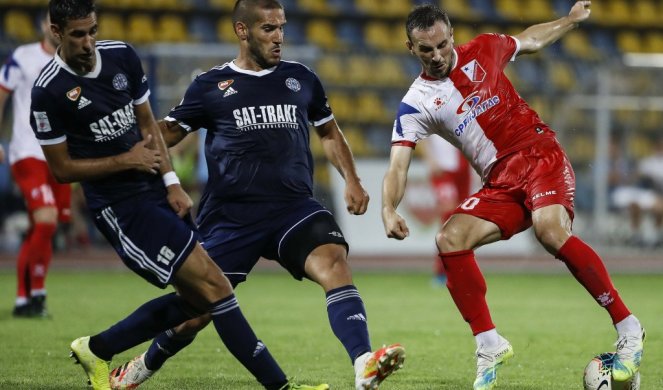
(542, 194)
(73, 94)
(440, 101)
(266, 117)
(114, 125)
(120, 82)
(471, 108)
(225, 84)
(41, 120)
(293, 84)
(230, 91)
(84, 102)
(474, 71)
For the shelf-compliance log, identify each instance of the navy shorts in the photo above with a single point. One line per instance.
(287, 235)
(148, 235)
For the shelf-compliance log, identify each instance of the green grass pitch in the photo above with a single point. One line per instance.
(553, 324)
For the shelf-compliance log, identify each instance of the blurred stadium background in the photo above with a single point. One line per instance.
(600, 82)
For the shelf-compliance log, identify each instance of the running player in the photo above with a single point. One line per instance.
(527, 178)
(258, 199)
(91, 114)
(47, 201)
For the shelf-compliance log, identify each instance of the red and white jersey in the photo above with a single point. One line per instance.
(475, 108)
(17, 75)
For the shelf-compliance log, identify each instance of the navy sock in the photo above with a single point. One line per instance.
(164, 346)
(143, 324)
(347, 317)
(237, 335)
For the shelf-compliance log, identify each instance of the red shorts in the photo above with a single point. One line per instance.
(540, 175)
(40, 189)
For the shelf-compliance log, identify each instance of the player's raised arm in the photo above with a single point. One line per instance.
(537, 37)
(393, 189)
(173, 133)
(339, 154)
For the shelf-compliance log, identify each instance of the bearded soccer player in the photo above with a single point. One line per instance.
(91, 114)
(258, 201)
(527, 178)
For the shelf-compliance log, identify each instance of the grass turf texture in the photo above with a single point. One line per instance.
(554, 326)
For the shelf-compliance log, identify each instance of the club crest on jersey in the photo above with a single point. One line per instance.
(120, 82)
(474, 71)
(293, 84)
(225, 84)
(73, 94)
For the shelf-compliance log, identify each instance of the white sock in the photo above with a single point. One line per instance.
(360, 360)
(20, 301)
(629, 324)
(489, 338)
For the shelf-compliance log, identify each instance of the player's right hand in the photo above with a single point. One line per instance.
(144, 159)
(394, 225)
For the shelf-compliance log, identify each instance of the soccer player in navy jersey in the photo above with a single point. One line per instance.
(92, 118)
(463, 96)
(258, 199)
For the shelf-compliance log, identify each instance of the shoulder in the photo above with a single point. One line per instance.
(26, 53)
(490, 39)
(48, 74)
(215, 74)
(116, 49)
(296, 68)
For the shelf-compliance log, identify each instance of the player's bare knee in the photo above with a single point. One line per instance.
(450, 239)
(331, 270)
(551, 238)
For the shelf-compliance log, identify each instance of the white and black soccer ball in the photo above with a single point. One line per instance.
(598, 375)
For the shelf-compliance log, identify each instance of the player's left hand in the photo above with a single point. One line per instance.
(356, 198)
(580, 11)
(179, 200)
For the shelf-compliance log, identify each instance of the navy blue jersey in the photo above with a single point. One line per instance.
(94, 114)
(257, 144)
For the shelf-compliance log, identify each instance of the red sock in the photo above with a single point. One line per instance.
(40, 253)
(23, 268)
(468, 289)
(590, 271)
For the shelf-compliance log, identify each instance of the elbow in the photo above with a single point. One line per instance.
(61, 175)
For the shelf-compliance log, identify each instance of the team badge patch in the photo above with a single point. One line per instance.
(293, 84)
(41, 119)
(440, 101)
(120, 82)
(74, 94)
(474, 71)
(225, 84)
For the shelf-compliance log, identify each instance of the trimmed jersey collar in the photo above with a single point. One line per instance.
(91, 75)
(260, 73)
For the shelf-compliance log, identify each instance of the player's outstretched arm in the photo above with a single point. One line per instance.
(393, 189)
(537, 37)
(339, 154)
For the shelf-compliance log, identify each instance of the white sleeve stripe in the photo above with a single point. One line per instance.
(323, 120)
(184, 125)
(515, 53)
(142, 99)
(47, 74)
(53, 141)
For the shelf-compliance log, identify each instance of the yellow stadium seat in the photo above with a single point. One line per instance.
(226, 5)
(358, 143)
(111, 26)
(509, 9)
(459, 9)
(640, 146)
(581, 147)
(369, 108)
(331, 70)
(359, 70)
(645, 13)
(141, 29)
(321, 32)
(342, 105)
(537, 10)
(172, 28)
(225, 30)
(463, 33)
(395, 8)
(19, 26)
(577, 44)
(318, 7)
(388, 72)
(618, 13)
(378, 35)
(653, 42)
(629, 42)
(369, 7)
(562, 76)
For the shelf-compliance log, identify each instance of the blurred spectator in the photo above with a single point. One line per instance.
(638, 189)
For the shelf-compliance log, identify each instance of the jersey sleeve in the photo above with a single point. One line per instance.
(10, 74)
(44, 118)
(501, 48)
(410, 125)
(319, 111)
(190, 113)
(140, 90)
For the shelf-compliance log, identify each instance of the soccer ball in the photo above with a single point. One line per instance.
(598, 375)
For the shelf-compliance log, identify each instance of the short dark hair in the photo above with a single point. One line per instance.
(62, 11)
(244, 10)
(425, 16)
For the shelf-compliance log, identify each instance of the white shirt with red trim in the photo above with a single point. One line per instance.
(17, 75)
(475, 108)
